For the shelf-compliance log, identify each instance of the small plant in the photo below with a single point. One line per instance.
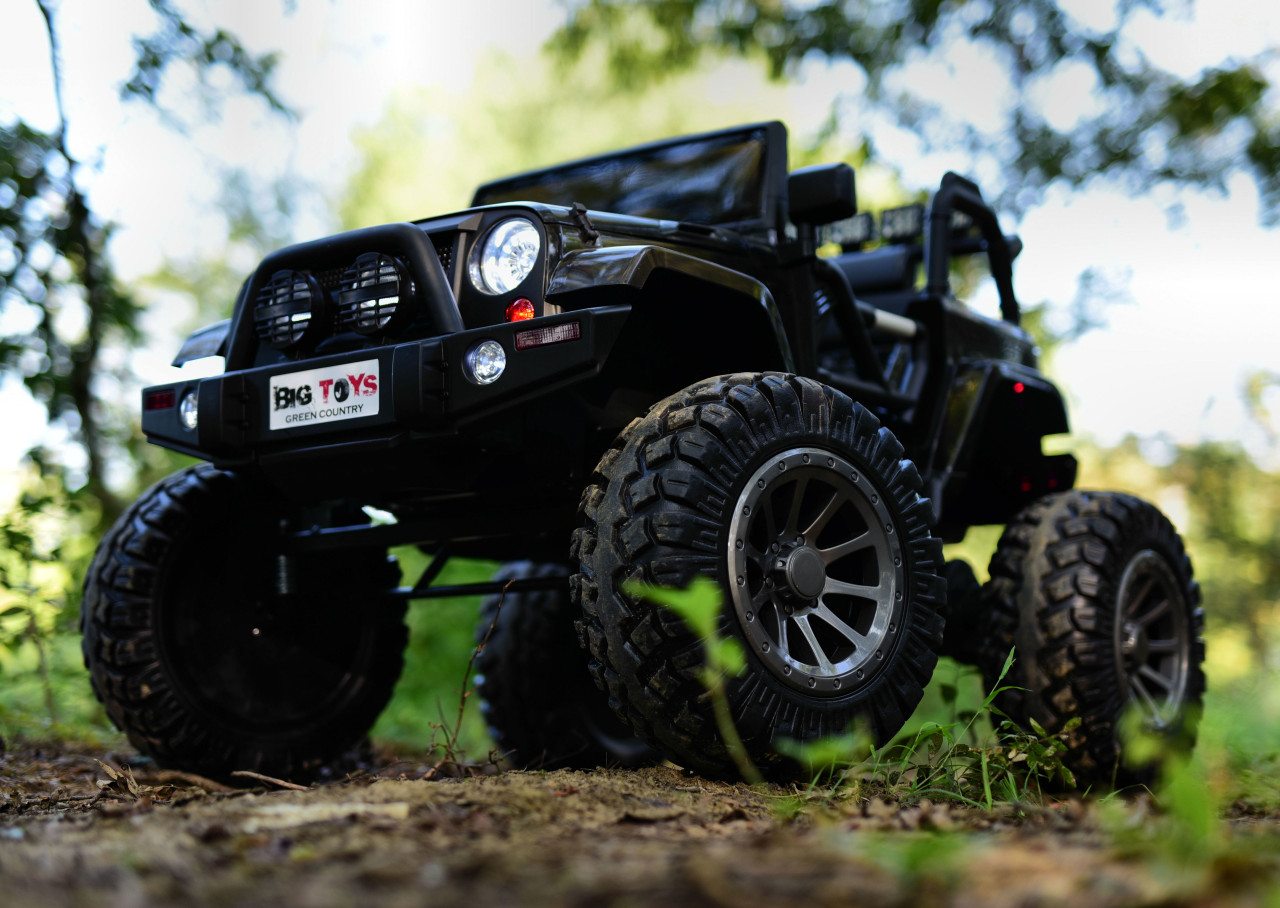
(1014, 770)
(445, 734)
(700, 606)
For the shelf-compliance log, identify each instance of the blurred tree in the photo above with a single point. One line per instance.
(431, 149)
(1148, 125)
(59, 294)
(1227, 508)
(1235, 515)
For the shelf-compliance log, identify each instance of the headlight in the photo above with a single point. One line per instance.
(507, 256)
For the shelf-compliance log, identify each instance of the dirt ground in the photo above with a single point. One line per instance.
(78, 832)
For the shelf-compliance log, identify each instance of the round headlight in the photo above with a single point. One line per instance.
(485, 362)
(507, 256)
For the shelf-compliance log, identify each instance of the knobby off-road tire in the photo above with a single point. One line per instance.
(198, 660)
(539, 701)
(1095, 594)
(801, 506)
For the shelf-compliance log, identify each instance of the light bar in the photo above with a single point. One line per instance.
(899, 224)
(854, 231)
(552, 334)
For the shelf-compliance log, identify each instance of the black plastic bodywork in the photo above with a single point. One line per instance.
(652, 304)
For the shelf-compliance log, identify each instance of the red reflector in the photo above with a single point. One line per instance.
(554, 334)
(1019, 387)
(520, 310)
(1026, 485)
(160, 400)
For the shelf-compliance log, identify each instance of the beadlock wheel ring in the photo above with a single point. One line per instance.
(1152, 639)
(816, 569)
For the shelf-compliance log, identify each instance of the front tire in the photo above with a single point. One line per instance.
(1094, 593)
(204, 665)
(796, 501)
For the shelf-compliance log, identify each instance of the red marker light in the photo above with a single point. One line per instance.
(1019, 387)
(1026, 486)
(521, 310)
(160, 400)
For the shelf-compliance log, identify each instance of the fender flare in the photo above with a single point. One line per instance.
(631, 267)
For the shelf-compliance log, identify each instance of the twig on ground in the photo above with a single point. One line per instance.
(249, 774)
(171, 776)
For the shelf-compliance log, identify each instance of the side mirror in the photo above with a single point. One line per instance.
(821, 194)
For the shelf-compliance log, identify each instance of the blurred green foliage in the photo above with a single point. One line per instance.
(1152, 126)
(47, 542)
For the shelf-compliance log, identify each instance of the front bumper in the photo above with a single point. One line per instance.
(421, 390)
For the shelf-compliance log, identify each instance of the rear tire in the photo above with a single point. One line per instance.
(203, 665)
(1094, 593)
(537, 697)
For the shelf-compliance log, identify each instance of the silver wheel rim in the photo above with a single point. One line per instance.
(816, 571)
(1152, 639)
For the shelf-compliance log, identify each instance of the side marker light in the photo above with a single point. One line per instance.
(553, 334)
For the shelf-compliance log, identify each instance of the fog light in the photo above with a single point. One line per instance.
(485, 362)
(188, 410)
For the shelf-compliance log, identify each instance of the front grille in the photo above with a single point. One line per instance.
(444, 249)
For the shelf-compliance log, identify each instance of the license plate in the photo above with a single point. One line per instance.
(331, 394)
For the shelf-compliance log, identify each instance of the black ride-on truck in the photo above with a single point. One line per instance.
(630, 367)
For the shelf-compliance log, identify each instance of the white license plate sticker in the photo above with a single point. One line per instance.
(315, 396)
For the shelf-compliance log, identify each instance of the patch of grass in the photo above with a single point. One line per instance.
(946, 760)
(960, 761)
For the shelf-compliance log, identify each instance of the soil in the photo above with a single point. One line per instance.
(84, 828)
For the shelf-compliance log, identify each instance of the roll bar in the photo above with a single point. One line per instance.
(959, 194)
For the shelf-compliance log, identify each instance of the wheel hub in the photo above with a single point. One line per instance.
(1135, 644)
(816, 571)
(799, 575)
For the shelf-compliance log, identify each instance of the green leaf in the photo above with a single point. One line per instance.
(730, 657)
(699, 605)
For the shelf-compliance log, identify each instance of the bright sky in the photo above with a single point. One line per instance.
(1171, 363)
